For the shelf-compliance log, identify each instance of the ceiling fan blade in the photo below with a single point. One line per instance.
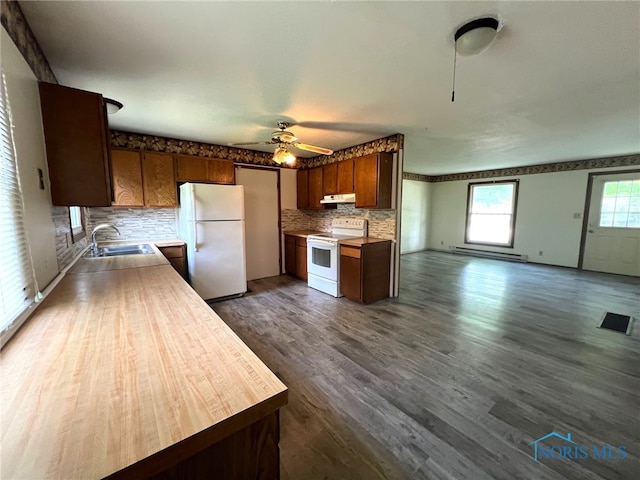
(312, 148)
(251, 143)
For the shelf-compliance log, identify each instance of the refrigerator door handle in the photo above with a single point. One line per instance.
(195, 223)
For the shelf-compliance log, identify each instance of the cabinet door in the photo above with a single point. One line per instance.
(366, 181)
(303, 189)
(373, 176)
(76, 137)
(192, 169)
(126, 170)
(315, 187)
(330, 179)
(290, 254)
(350, 279)
(222, 171)
(159, 180)
(301, 261)
(345, 176)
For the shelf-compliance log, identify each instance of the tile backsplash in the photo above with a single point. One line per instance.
(382, 223)
(134, 223)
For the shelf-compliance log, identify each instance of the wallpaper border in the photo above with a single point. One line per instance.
(392, 143)
(157, 143)
(588, 164)
(16, 25)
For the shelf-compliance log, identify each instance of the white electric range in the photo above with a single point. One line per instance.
(323, 253)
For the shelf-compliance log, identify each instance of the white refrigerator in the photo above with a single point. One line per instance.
(211, 222)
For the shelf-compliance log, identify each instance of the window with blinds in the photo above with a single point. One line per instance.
(17, 280)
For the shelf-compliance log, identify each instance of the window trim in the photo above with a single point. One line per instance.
(516, 184)
(78, 233)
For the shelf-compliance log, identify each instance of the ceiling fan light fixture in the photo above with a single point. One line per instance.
(282, 155)
(476, 36)
(112, 106)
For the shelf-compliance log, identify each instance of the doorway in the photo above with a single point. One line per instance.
(611, 237)
(262, 220)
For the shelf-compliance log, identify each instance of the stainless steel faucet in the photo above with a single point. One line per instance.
(94, 243)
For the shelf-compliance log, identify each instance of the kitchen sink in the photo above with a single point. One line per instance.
(117, 250)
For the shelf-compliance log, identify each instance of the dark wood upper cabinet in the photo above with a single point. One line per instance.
(315, 187)
(330, 179)
(302, 178)
(76, 137)
(192, 169)
(372, 185)
(205, 170)
(159, 180)
(126, 169)
(345, 176)
(221, 171)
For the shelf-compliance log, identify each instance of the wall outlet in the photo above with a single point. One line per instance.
(577, 215)
(540, 252)
(441, 242)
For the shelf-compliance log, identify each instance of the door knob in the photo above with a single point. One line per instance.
(590, 231)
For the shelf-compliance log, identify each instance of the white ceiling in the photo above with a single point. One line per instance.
(561, 82)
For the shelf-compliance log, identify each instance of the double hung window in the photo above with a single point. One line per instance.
(491, 213)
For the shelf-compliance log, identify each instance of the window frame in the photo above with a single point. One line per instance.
(78, 233)
(514, 210)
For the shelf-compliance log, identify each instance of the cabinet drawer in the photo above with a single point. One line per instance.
(172, 252)
(350, 252)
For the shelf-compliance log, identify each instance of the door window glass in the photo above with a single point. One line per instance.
(620, 205)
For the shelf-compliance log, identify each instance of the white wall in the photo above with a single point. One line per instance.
(24, 99)
(416, 210)
(548, 205)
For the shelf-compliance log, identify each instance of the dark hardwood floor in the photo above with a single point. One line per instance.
(452, 380)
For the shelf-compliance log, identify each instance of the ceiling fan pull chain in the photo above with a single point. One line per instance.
(453, 87)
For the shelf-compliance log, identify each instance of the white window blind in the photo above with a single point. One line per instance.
(17, 280)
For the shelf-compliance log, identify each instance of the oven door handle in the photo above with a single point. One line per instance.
(320, 242)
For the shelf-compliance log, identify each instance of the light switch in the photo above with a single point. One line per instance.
(577, 215)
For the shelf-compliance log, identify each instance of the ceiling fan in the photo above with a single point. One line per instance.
(284, 139)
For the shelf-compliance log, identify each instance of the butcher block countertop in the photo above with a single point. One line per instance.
(358, 242)
(302, 233)
(121, 364)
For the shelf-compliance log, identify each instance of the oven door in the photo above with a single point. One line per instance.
(322, 259)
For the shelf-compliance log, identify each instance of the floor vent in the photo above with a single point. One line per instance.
(616, 322)
(514, 257)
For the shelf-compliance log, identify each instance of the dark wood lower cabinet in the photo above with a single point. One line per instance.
(290, 254)
(295, 256)
(251, 453)
(365, 271)
(301, 258)
(177, 256)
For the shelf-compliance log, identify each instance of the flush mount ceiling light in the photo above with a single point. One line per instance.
(473, 38)
(282, 155)
(476, 36)
(113, 106)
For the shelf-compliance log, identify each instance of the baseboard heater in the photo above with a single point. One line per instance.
(514, 257)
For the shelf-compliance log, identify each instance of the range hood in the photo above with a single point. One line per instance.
(344, 198)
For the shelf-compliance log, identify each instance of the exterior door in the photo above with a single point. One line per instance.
(262, 221)
(612, 243)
